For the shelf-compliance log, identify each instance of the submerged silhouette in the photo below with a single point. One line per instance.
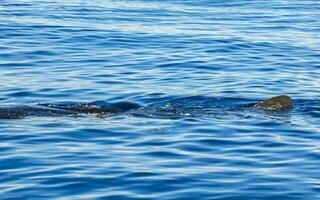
(101, 109)
(97, 109)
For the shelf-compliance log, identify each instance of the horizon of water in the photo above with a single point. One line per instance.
(192, 66)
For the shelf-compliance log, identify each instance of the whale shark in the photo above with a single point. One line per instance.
(103, 109)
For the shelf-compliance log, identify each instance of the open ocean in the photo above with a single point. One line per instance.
(192, 66)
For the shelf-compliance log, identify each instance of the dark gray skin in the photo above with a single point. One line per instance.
(23, 111)
(277, 103)
(282, 102)
(56, 110)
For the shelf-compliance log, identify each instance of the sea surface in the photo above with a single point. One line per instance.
(192, 66)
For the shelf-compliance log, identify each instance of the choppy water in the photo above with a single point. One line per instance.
(191, 65)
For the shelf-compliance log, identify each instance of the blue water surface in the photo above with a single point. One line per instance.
(191, 65)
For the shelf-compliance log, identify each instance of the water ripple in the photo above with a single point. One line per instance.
(192, 66)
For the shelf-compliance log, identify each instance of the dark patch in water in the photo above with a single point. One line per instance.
(99, 109)
(185, 107)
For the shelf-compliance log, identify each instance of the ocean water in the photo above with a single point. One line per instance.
(192, 66)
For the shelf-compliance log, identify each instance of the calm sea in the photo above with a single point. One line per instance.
(191, 65)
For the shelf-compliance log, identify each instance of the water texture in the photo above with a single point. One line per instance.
(192, 66)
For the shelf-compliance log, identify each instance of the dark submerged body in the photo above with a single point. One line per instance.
(23, 111)
(52, 110)
(101, 109)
